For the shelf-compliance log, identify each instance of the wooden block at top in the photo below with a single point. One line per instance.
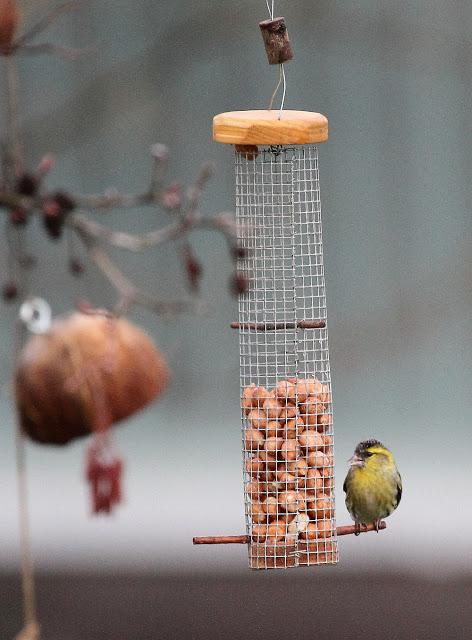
(265, 127)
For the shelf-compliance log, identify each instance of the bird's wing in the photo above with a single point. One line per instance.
(399, 489)
(347, 479)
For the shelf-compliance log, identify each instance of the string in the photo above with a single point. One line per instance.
(30, 630)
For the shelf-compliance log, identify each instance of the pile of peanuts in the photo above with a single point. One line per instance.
(289, 462)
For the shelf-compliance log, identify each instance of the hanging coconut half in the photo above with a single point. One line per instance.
(86, 373)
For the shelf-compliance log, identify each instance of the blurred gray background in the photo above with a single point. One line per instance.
(394, 80)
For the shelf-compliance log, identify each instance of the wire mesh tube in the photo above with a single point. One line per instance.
(286, 400)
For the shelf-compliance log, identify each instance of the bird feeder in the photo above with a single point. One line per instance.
(286, 397)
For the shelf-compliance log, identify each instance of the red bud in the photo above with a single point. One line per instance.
(18, 217)
(76, 267)
(46, 163)
(239, 252)
(9, 291)
(55, 209)
(27, 185)
(239, 284)
(172, 197)
(193, 268)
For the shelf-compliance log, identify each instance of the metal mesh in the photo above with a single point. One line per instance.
(285, 375)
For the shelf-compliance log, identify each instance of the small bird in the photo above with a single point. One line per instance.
(373, 485)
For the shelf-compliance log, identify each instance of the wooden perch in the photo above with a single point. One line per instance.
(340, 531)
(279, 326)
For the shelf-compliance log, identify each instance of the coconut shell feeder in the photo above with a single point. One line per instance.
(85, 374)
(285, 377)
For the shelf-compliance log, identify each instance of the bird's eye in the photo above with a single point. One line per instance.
(368, 454)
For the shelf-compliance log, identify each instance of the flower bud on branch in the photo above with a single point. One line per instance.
(45, 165)
(76, 267)
(27, 185)
(239, 284)
(55, 210)
(10, 291)
(193, 268)
(18, 217)
(172, 197)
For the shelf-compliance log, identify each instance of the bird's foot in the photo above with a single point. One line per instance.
(357, 528)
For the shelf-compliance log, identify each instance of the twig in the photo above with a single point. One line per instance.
(128, 241)
(136, 243)
(67, 53)
(114, 275)
(12, 96)
(45, 22)
(160, 154)
(129, 294)
(194, 192)
(10, 200)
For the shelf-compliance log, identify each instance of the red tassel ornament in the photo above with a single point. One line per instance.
(104, 474)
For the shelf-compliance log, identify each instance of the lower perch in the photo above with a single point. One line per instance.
(340, 531)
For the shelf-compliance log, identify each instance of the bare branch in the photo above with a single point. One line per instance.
(154, 238)
(114, 275)
(122, 240)
(113, 200)
(46, 21)
(160, 153)
(15, 147)
(66, 53)
(11, 200)
(129, 294)
(170, 307)
(194, 192)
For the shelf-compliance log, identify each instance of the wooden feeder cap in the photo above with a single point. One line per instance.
(264, 127)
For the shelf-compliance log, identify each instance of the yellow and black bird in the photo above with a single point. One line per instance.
(373, 485)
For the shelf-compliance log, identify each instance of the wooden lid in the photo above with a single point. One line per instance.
(264, 127)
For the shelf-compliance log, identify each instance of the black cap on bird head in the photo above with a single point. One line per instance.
(363, 446)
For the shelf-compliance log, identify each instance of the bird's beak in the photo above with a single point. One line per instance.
(356, 461)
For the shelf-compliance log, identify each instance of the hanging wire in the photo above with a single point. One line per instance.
(276, 90)
(282, 78)
(270, 9)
